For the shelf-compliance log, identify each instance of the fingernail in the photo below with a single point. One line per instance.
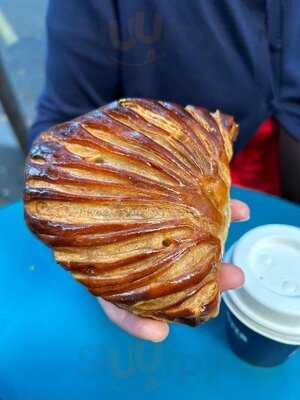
(243, 219)
(153, 334)
(157, 340)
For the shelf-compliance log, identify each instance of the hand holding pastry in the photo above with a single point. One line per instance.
(231, 277)
(134, 199)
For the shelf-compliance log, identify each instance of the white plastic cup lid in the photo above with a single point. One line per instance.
(269, 301)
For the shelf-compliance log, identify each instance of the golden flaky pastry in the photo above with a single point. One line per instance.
(134, 200)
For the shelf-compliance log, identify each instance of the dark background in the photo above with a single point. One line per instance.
(22, 51)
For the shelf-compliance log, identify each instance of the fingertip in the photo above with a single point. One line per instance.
(147, 329)
(231, 277)
(143, 328)
(155, 331)
(240, 211)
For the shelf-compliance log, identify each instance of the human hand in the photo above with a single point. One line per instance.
(231, 277)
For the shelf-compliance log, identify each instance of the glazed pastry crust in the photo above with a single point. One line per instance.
(134, 200)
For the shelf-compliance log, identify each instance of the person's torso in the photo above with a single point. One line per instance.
(235, 55)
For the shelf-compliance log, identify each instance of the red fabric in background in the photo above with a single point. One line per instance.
(256, 166)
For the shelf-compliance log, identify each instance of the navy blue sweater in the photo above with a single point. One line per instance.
(241, 56)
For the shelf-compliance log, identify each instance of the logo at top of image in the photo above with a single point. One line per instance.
(137, 36)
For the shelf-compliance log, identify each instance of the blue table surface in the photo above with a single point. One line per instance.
(55, 342)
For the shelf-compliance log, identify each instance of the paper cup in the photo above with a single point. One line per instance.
(263, 317)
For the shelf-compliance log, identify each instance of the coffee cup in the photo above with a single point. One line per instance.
(263, 317)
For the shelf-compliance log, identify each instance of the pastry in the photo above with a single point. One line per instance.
(134, 200)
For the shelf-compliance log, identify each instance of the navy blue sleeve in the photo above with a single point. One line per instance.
(82, 71)
(288, 104)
